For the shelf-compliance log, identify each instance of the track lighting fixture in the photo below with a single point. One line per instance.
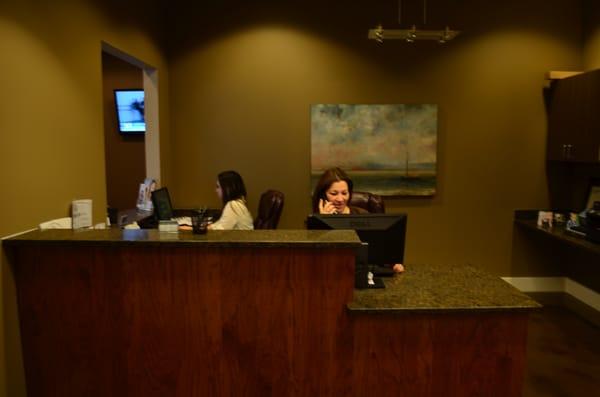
(380, 34)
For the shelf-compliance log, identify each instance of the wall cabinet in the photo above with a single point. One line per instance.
(574, 119)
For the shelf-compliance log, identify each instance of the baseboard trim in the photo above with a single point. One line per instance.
(583, 294)
(537, 284)
(581, 299)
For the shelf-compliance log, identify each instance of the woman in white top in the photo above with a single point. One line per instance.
(232, 192)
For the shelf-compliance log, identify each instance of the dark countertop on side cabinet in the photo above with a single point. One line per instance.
(214, 238)
(559, 233)
(442, 288)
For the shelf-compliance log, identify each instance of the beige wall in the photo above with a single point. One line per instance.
(51, 125)
(242, 87)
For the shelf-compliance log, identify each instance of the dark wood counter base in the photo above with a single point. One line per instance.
(264, 320)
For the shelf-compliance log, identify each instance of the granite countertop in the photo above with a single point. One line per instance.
(213, 238)
(427, 288)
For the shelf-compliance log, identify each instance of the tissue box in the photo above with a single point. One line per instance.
(81, 211)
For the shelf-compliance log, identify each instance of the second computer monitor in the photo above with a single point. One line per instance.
(162, 204)
(384, 233)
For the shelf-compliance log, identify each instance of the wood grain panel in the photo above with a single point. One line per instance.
(440, 354)
(184, 321)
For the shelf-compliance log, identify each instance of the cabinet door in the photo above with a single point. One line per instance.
(574, 120)
(591, 131)
(564, 118)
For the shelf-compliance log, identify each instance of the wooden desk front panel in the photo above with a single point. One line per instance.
(184, 321)
(180, 321)
(453, 354)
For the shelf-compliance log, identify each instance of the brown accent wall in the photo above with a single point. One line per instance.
(51, 122)
(243, 84)
(125, 158)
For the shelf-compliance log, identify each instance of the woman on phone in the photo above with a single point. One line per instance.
(332, 194)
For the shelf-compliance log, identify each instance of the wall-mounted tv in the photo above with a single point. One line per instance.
(130, 111)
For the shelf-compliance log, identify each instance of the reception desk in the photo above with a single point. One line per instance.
(255, 313)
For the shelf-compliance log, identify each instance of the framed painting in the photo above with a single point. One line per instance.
(390, 150)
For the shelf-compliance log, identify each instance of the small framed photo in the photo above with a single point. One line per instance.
(545, 219)
(144, 200)
(593, 193)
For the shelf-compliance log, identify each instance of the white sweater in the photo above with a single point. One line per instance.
(235, 216)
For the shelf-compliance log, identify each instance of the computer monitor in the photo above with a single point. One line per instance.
(384, 233)
(162, 204)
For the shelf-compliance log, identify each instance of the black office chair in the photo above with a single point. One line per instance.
(373, 203)
(269, 210)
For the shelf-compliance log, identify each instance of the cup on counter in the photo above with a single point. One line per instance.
(199, 223)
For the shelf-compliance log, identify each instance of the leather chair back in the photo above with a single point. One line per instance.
(269, 210)
(368, 201)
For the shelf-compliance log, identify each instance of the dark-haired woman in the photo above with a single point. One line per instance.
(232, 192)
(332, 194)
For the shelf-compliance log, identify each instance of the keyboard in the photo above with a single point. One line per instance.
(382, 271)
(183, 220)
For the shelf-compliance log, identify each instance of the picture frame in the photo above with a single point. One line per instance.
(593, 193)
(144, 200)
(387, 149)
(545, 219)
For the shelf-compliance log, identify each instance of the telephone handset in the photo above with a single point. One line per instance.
(325, 202)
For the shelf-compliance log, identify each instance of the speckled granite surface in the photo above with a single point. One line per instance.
(216, 238)
(426, 288)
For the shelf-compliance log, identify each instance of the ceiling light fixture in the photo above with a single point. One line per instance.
(380, 34)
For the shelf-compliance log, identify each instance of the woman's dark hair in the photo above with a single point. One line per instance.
(327, 179)
(232, 186)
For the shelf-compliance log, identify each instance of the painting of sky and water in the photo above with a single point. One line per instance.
(386, 149)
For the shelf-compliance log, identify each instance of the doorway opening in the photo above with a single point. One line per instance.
(129, 158)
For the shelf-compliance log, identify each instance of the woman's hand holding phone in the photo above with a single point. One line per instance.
(326, 207)
(398, 268)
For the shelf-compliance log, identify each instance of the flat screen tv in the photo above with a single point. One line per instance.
(130, 111)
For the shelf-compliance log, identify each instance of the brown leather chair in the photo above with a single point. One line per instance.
(269, 210)
(368, 201)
